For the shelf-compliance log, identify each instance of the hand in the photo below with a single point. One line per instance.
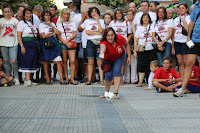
(97, 18)
(23, 50)
(69, 45)
(183, 18)
(188, 39)
(6, 77)
(165, 80)
(135, 54)
(65, 42)
(128, 60)
(170, 81)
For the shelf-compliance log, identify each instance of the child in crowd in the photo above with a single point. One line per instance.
(4, 79)
(154, 65)
(165, 77)
(193, 83)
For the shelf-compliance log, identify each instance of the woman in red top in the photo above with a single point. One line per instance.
(112, 47)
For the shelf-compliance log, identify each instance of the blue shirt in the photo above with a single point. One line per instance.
(196, 29)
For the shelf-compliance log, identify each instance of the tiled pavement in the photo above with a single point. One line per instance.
(78, 109)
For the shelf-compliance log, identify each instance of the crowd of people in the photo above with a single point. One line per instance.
(141, 45)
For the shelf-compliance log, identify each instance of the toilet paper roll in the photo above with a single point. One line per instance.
(190, 44)
(109, 96)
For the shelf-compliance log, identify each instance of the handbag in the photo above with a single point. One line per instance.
(74, 45)
(106, 66)
(184, 32)
(36, 42)
(140, 47)
(48, 44)
(155, 46)
(96, 41)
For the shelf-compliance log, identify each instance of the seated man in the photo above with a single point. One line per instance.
(165, 77)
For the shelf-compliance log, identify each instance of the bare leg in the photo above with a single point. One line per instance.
(99, 62)
(60, 71)
(72, 54)
(141, 78)
(46, 71)
(116, 86)
(65, 64)
(169, 88)
(90, 69)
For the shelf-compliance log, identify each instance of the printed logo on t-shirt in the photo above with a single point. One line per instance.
(179, 25)
(170, 75)
(161, 28)
(8, 32)
(50, 30)
(192, 74)
(119, 49)
(67, 29)
(119, 30)
(94, 27)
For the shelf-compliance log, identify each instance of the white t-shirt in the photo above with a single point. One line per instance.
(139, 15)
(84, 35)
(8, 35)
(70, 27)
(162, 28)
(142, 38)
(178, 36)
(121, 28)
(76, 17)
(26, 30)
(46, 28)
(91, 25)
(36, 21)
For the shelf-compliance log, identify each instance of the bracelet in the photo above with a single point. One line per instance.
(22, 46)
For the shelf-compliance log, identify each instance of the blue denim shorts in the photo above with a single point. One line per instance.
(92, 50)
(64, 47)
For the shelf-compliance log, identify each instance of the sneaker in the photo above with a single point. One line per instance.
(179, 93)
(33, 83)
(16, 81)
(27, 83)
(158, 90)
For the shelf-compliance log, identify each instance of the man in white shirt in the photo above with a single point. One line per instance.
(36, 15)
(145, 9)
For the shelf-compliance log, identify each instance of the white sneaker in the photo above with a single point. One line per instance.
(179, 93)
(16, 81)
(33, 84)
(27, 83)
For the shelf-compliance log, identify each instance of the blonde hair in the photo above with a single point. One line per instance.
(155, 63)
(65, 10)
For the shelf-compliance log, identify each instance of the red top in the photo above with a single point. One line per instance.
(195, 73)
(113, 53)
(54, 20)
(162, 74)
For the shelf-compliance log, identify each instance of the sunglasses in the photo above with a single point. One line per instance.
(182, 3)
(118, 8)
(52, 5)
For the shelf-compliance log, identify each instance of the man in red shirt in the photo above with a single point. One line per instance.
(165, 77)
(53, 10)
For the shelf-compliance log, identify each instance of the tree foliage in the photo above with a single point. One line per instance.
(117, 3)
(16, 3)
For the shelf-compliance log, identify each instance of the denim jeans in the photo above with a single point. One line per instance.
(10, 53)
(166, 52)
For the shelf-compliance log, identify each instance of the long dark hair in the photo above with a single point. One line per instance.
(145, 14)
(27, 9)
(164, 9)
(43, 14)
(91, 9)
(106, 33)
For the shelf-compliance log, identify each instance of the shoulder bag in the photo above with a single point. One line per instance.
(36, 40)
(73, 43)
(140, 47)
(155, 46)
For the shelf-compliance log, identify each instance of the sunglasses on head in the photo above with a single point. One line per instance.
(118, 8)
(182, 3)
(52, 5)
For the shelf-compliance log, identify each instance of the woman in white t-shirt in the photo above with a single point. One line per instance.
(27, 49)
(94, 29)
(131, 74)
(163, 28)
(48, 31)
(8, 42)
(122, 27)
(143, 36)
(68, 33)
(179, 44)
(107, 17)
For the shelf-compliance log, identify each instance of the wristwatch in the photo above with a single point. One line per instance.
(183, 21)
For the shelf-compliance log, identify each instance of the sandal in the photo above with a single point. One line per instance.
(101, 82)
(49, 83)
(88, 82)
(102, 96)
(62, 83)
(117, 96)
(139, 85)
(74, 83)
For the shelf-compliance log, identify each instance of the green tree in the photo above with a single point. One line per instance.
(117, 3)
(15, 3)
